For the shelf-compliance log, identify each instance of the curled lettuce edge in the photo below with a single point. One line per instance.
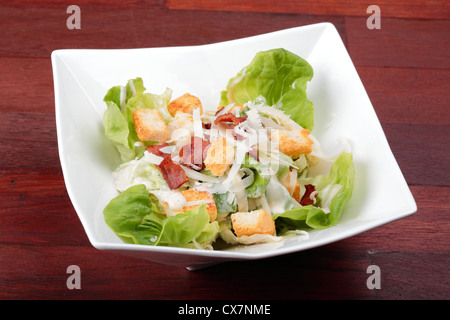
(281, 78)
(342, 172)
(136, 217)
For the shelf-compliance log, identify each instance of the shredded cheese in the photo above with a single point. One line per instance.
(327, 195)
(239, 157)
(292, 181)
(262, 201)
(281, 118)
(153, 158)
(198, 128)
(241, 195)
(133, 89)
(167, 149)
(123, 97)
(192, 174)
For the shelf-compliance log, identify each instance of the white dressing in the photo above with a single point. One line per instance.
(174, 199)
(327, 195)
(278, 197)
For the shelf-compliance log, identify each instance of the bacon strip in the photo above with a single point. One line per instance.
(193, 154)
(229, 117)
(173, 173)
(156, 149)
(306, 199)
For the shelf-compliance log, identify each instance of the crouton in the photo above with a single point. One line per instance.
(219, 157)
(150, 125)
(181, 129)
(253, 222)
(293, 143)
(184, 104)
(192, 195)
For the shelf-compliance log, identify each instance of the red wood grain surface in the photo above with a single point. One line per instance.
(419, 9)
(404, 67)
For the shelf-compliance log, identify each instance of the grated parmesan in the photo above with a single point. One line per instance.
(198, 128)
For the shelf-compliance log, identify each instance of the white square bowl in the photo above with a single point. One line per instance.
(342, 109)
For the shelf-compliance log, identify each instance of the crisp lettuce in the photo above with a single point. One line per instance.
(180, 229)
(138, 171)
(261, 179)
(118, 124)
(115, 93)
(279, 76)
(342, 174)
(152, 101)
(136, 217)
(208, 235)
(281, 166)
(223, 205)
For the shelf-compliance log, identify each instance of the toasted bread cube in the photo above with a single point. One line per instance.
(184, 104)
(253, 222)
(150, 125)
(192, 195)
(219, 157)
(293, 143)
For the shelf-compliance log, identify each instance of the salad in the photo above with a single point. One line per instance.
(239, 174)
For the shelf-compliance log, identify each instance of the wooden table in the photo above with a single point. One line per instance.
(405, 67)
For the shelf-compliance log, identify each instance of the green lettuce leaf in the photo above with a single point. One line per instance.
(206, 238)
(139, 171)
(138, 85)
(340, 178)
(281, 168)
(136, 217)
(180, 229)
(279, 76)
(114, 94)
(151, 101)
(222, 204)
(115, 124)
(258, 187)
